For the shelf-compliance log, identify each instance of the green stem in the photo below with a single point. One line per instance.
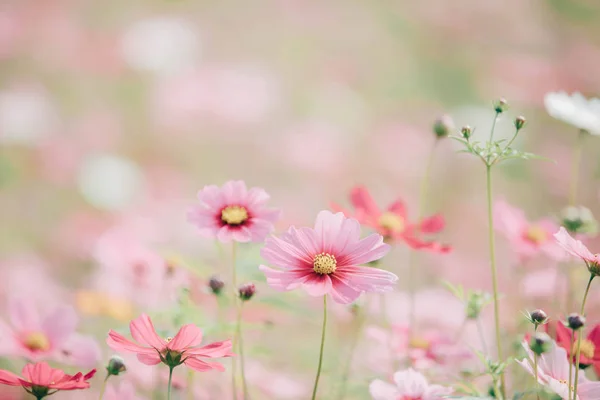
(578, 354)
(411, 256)
(241, 351)
(314, 393)
(190, 384)
(357, 334)
(494, 274)
(481, 336)
(493, 127)
(570, 366)
(170, 379)
(577, 150)
(236, 305)
(103, 389)
(512, 139)
(535, 369)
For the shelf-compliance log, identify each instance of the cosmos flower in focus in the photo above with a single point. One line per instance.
(526, 238)
(41, 380)
(590, 346)
(410, 385)
(393, 223)
(50, 336)
(233, 212)
(180, 349)
(553, 373)
(327, 259)
(577, 249)
(575, 110)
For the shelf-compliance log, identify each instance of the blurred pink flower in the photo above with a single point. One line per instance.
(527, 239)
(125, 391)
(577, 249)
(181, 349)
(326, 259)
(393, 222)
(39, 378)
(233, 213)
(51, 336)
(409, 385)
(553, 372)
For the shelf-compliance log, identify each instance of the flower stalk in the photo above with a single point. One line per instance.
(314, 392)
(578, 353)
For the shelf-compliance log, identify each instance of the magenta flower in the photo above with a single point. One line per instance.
(577, 249)
(327, 259)
(41, 380)
(527, 239)
(47, 337)
(233, 213)
(409, 385)
(181, 349)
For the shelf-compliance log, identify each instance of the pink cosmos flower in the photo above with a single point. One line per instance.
(393, 223)
(47, 337)
(409, 385)
(527, 239)
(553, 373)
(181, 349)
(233, 213)
(577, 249)
(327, 259)
(39, 379)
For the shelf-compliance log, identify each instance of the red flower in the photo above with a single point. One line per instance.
(38, 379)
(175, 351)
(393, 223)
(590, 346)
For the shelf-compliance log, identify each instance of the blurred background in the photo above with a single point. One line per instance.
(113, 114)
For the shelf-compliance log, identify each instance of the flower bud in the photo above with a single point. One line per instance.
(475, 302)
(540, 343)
(575, 321)
(466, 131)
(520, 122)
(538, 317)
(579, 220)
(216, 284)
(443, 126)
(116, 365)
(500, 105)
(247, 290)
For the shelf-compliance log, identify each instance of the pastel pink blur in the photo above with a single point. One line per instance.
(409, 385)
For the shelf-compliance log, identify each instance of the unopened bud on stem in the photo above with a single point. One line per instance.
(246, 291)
(575, 321)
(115, 366)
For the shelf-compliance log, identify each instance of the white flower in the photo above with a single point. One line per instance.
(575, 110)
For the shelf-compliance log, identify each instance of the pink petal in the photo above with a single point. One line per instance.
(366, 250)
(213, 350)
(335, 233)
(225, 234)
(572, 246)
(118, 342)
(361, 199)
(203, 366)
(241, 234)
(381, 390)
(283, 253)
(212, 197)
(24, 315)
(8, 378)
(60, 324)
(284, 280)
(341, 292)
(143, 332)
(433, 224)
(149, 359)
(189, 335)
(317, 285)
(234, 192)
(398, 208)
(256, 197)
(509, 220)
(368, 279)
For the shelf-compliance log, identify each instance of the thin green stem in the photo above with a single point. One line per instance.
(481, 336)
(235, 303)
(494, 274)
(354, 342)
(314, 393)
(241, 351)
(570, 366)
(411, 256)
(493, 127)
(103, 389)
(577, 151)
(512, 139)
(578, 354)
(535, 369)
(190, 384)
(170, 379)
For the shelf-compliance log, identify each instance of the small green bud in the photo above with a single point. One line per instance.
(466, 132)
(575, 321)
(500, 105)
(538, 317)
(520, 122)
(116, 365)
(540, 343)
(579, 220)
(246, 291)
(216, 284)
(443, 126)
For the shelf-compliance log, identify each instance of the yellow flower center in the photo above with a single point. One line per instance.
(168, 339)
(419, 343)
(391, 221)
(37, 341)
(234, 215)
(324, 263)
(587, 348)
(536, 234)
